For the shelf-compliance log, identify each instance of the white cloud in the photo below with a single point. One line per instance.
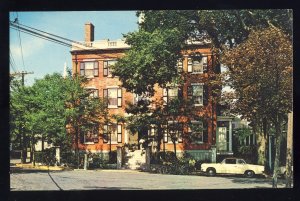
(30, 46)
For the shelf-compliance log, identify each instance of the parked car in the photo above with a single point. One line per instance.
(232, 166)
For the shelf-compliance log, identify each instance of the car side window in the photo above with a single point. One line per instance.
(239, 161)
(230, 161)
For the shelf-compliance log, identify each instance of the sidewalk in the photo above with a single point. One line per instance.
(16, 163)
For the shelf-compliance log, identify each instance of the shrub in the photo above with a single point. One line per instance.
(168, 163)
(45, 157)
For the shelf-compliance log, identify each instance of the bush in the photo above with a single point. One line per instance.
(167, 157)
(168, 163)
(45, 157)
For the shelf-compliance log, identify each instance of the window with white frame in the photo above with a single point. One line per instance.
(195, 92)
(89, 68)
(195, 131)
(174, 130)
(197, 66)
(171, 93)
(91, 136)
(112, 133)
(107, 65)
(113, 97)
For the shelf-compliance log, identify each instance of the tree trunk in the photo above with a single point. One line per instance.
(31, 148)
(23, 146)
(277, 154)
(174, 143)
(267, 141)
(289, 151)
(33, 154)
(77, 146)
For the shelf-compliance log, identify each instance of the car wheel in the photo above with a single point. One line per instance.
(211, 171)
(249, 173)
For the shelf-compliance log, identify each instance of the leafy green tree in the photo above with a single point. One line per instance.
(19, 137)
(261, 74)
(83, 112)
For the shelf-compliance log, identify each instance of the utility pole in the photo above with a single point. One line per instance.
(23, 143)
(22, 73)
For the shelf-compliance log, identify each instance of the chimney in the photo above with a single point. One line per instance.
(89, 32)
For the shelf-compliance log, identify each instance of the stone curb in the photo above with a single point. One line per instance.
(40, 167)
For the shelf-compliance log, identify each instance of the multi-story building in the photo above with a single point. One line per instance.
(94, 59)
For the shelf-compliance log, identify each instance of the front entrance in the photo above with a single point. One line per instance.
(222, 139)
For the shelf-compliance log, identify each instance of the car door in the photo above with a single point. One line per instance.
(229, 166)
(241, 166)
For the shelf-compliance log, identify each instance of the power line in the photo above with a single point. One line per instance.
(53, 35)
(48, 36)
(42, 36)
(20, 42)
(12, 61)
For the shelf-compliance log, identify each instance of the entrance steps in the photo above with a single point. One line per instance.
(134, 160)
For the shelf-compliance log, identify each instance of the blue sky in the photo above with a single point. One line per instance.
(45, 57)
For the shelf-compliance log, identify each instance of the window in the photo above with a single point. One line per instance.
(171, 93)
(107, 67)
(137, 98)
(152, 132)
(240, 161)
(195, 92)
(195, 66)
(113, 97)
(230, 161)
(89, 69)
(91, 136)
(94, 93)
(112, 133)
(174, 131)
(180, 65)
(196, 131)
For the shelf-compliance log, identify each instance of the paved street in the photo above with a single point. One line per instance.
(125, 180)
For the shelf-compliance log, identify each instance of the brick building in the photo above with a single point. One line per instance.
(93, 60)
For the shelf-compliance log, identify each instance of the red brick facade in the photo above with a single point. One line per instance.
(102, 82)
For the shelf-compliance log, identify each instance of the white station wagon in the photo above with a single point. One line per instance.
(232, 166)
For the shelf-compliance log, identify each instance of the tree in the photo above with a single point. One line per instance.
(83, 112)
(17, 117)
(151, 47)
(261, 74)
